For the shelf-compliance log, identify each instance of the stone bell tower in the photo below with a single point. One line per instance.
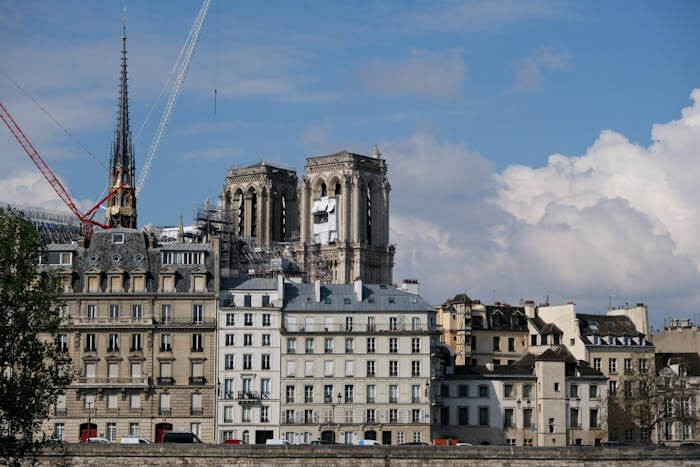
(344, 219)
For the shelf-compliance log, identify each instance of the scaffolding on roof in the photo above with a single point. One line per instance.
(54, 226)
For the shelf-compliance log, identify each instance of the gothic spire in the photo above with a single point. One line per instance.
(122, 149)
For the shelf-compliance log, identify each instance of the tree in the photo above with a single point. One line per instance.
(33, 370)
(648, 398)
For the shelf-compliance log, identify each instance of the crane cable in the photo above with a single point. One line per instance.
(65, 130)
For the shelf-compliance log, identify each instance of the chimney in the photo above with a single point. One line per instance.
(529, 306)
(411, 285)
(358, 289)
(280, 287)
(317, 290)
(490, 366)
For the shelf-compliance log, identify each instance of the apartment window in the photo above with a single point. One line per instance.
(266, 319)
(308, 394)
(136, 311)
(265, 340)
(612, 365)
(228, 361)
(527, 418)
(393, 416)
(415, 368)
(112, 370)
(556, 339)
(349, 345)
(415, 393)
(197, 317)
(165, 370)
(165, 403)
(247, 361)
(248, 319)
(349, 368)
(230, 319)
(348, 393)
(247, 340)
(370, 369)
(197, 345)
(229, 340)
(371, 326)
(463, 390)
(111, 430)
(348, 323)
(113, 345)
(393, 345)
(113, 311)
(228, 388)
(574, 418)
(328, 345)
(533, 339)
(596, 364)
(628, 365)
(573, 391)
(508, 391)
(371, 393)
(265, 388)
(166, 316)
(265, 362)
(135, 370)
(393, 368)
(228, 414)
(89, 401)
(593, 418)
(551, 425)
(415, 345)
(483, 416)
(508, 418)
(393, 394)
(196, 404)
(135, 343)
(62, 342)
(527, 390)
(328, 368)
(291, 345)
(91, 312)
(247, 301)
(289, 394)
(291, 368)
(265, 300)
(328, 393)
(593, 391)
(556, 387)
(483, 390)
(309, 368)
(59, 430)
(111, 402)
(496, 343)
(613, 387)
(264, 413)
(245, 415)
(415, 324)
(463, 415)
(370, 414)
(393, 324)
(309, 345)
(511, 344)
(371, 341)
(399, 438)
(415, 416)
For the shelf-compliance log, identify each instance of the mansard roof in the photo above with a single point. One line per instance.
(543, 328)
(691, 360)
(604, 325)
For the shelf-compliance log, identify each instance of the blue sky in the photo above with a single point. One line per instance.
(479, 94)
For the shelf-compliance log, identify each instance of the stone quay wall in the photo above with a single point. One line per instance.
(364, 456)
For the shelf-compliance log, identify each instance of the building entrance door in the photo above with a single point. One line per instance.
(386, 437)
(87, 431)
(371, 435)
(328, 436)
(161, 428)
(261, 436)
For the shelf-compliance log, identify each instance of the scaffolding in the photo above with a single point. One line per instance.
(54, 226)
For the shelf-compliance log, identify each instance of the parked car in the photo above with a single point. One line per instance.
(98, 440)
(134, 440)
(180, 437)
(690, 444)
(317, 442)
(464, 444)
(414, 443)
(612, 444)
(368, 442)
(277, 442)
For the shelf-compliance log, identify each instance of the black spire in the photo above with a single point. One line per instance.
(122, 155)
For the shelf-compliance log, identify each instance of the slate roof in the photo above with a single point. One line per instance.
(690, 359)
(302, 298)
(505, 318)
(248, 283)
(543, 328)
(618, 326)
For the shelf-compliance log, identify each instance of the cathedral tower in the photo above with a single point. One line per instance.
(344, 219)
(121, 207)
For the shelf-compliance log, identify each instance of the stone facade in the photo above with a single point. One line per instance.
(140, 330)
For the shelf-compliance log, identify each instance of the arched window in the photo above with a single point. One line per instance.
(337, 188)
(283, 218)
(369, 215)
(254, 215)
(324, 190)
(241, 213)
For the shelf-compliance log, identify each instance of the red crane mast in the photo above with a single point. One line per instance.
(50, 177)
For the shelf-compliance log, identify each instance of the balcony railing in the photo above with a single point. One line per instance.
(381, 328)
(196, 412)
(164, 411)
(197, 380)
(166, 380)
(111, 381)
(251, 396)
(59, 412)
(102, 321)
(176, 321)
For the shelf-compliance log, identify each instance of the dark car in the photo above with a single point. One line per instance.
(613, 444)
(317, 442)
(690, 444)
(181, 437)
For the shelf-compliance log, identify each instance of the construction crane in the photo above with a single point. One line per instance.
(189, 47)
(85, 218)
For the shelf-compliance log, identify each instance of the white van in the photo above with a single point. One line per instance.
(277, 442)
(368, 442)
(98, 440)
(134, 440)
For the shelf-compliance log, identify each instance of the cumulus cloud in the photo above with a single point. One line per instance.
(426, 73)
(619, 220)
(529, 71)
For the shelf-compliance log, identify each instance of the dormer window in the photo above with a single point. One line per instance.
(596, 340)
(198, 277)
(118, 238)
(627, 340)
(611, 340)
(59, 258)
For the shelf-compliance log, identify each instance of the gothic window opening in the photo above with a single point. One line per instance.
(283, 218)
(254, 215)
(337, 188)
(324, 190)
(369, 215)
(241, 212)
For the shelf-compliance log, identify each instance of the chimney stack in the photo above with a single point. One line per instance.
(358, 289)
(317, 290)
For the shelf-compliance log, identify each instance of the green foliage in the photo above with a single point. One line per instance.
(33, 372)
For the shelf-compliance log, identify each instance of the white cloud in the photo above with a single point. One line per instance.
(436, 74)
(620, 220)
(528, 71)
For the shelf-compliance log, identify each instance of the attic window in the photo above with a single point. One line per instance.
(370, 299)
(414, 300)
(593, 326)
(118, 238)
(308, 299)
(347, 301)
(327, 301)
(392, 300)
(382, 286)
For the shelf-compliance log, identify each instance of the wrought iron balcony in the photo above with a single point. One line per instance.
(166, 380)
(197, 380)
